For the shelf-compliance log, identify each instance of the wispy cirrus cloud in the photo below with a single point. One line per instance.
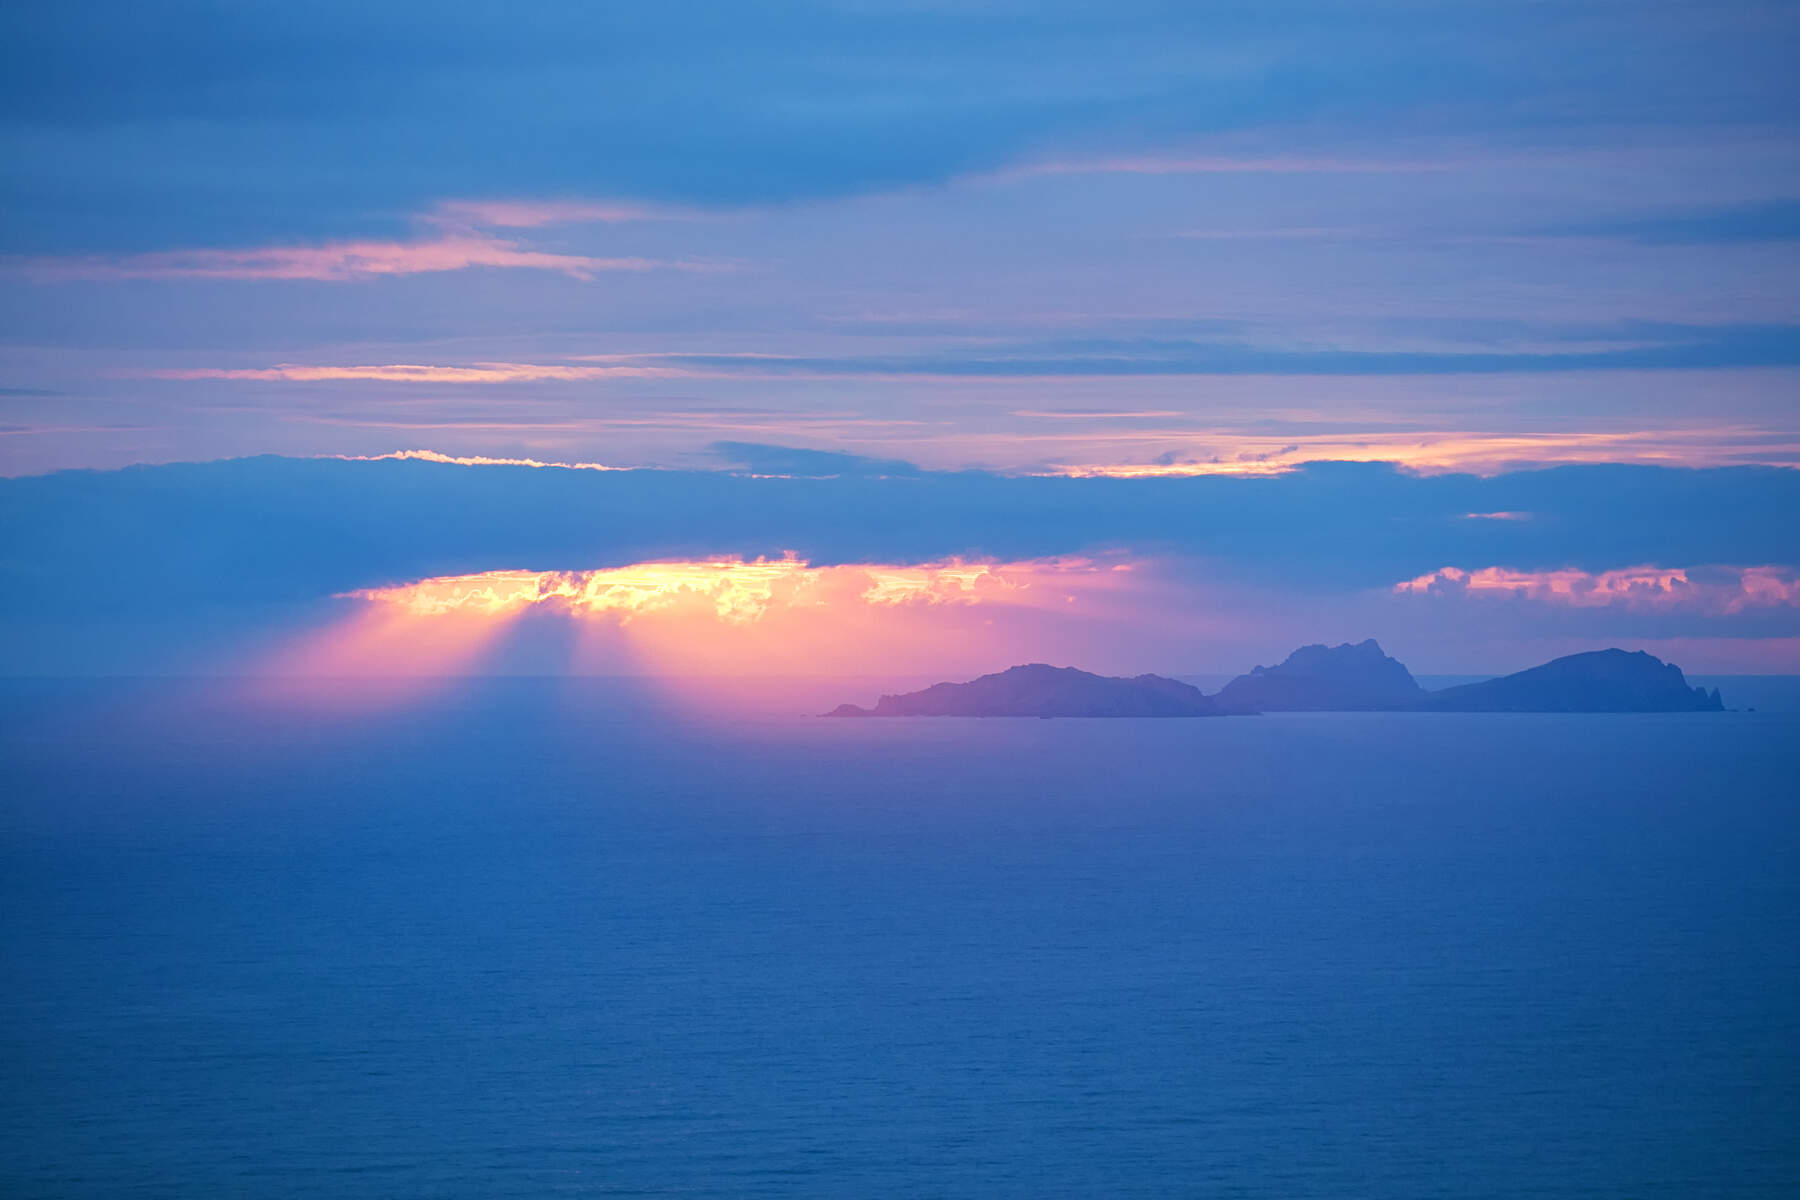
(532, 214)
(1640, 347)
(338, 262)
(1126, 443)
(471, 460)
(1176, 163)
(481, 372)
(455, 235)
(1776, 220)
(1481, 452)
(1235, 452)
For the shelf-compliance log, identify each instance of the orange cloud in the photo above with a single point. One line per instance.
(731, 616)
(736, 591)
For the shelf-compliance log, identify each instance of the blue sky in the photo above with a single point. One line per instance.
(1021, 239)
(1261, 223)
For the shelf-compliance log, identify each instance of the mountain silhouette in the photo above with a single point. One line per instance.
(1356, 677)
(1038, 690)
(1326, 679)
(1597, 681)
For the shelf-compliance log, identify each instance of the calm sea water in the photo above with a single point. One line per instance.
(540, 938)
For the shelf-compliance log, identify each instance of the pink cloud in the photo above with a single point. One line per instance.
(341, 261)
(486, 372)
(458, 241)
(474, 460)
(1720, 591)
(1479, 451)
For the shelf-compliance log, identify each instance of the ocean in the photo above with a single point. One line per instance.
(585, 937)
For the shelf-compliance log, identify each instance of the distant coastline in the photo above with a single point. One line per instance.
(1352, 677)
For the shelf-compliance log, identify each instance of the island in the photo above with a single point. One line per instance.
(1360, 678)
(1039, 690)
(1597, 681)
(1357, 677)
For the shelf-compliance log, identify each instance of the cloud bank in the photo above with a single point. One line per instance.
(1328, 550)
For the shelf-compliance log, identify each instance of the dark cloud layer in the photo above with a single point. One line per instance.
(1771, 221)
(1659, 347)
(758, 458)
(172, 123)
(191, 537)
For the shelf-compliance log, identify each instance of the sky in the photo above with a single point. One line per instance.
(1153, 336)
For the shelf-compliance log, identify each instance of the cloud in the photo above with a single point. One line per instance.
(1639, 346)
(1223, 569)
(1645, 601)
(473, 460)
(254, 128)
(531, 214)
(720, 616)
(1650, 347)
(760, 459)
(483, 372)
(1712, 590)
(731, 589)
(1218, 164)
(1646, 346)
(31, 430)
(463, 239)
(336, 262)
(1486, 452)
(299, 528)
(1769, 221)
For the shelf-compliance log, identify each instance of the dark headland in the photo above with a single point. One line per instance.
(1347, 678)
(1598, 681)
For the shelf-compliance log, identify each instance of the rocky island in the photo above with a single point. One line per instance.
(1356, 677)
(1038, 690)
(1597, 681)
(1347, 678)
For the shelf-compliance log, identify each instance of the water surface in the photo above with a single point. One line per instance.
(530, 938)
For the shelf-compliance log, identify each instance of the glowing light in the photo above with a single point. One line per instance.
(735, 590)
(720, 617)
(374, 657)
